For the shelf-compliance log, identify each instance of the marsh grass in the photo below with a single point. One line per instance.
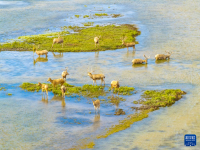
(124, 90)
(81, 41)
(161, 98)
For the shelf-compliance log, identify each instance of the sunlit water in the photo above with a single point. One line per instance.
(29, 122)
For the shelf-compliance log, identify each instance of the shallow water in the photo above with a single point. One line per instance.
(32, 123)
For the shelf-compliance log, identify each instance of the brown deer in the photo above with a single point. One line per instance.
(42, 52)
(65, 73)
(115, 84)
(140, 61)
(95, 77)
(131, 44)
(96, 40)
(163, 56)
(44, 87)
(96, 105)
(58, 40)
(56, 81)
(63, 89)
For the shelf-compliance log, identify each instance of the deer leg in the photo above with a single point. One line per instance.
(47, 92)
(96, 82)
(52, 46)
(127, 48)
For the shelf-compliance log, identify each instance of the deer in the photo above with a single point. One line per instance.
(115, 84)
(56, 81)
(42, 52)
(96, 105)
(65, 73)
(96, 40)
(58, 40)
(63, 89)
(95, 77)
(163, 56)
(44, 87)
(140, 61)
(131, 44)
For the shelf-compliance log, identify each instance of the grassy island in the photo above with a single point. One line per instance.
(86, 90)
(77, 39)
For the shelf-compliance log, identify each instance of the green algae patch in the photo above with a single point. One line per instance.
(101, 14)
(124, 90)
(9, 94)
(86, 90)
(83, 144)
(81, 41)
(124, 124)
(115, 100)
(2, 88)
(162, 98)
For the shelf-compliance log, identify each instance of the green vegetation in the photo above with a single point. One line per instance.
(124, 90)
(86, 16)
(162, 98)
(86, 90)
(155, 97)
(102, 14)
(77, 16)
(88, 24)
(9, 94)
(124, 124)
(2, 88)
(135, 102)
(151, 100)
(115, 100)
(116, 15)
(76, 42)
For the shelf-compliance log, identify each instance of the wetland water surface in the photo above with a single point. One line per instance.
(28, 121)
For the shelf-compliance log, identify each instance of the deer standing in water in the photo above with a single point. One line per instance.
(163, 56)
(96, 105)
(140, 61)
(131, 44)
(95, 77)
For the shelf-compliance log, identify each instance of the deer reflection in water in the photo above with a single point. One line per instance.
(96, 54)
(115, 100)
(96, 122)
(45, 100)
(60, 55)
(40, 59)
(59, 98)
(130, 54)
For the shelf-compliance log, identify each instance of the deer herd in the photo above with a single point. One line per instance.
(94, 77)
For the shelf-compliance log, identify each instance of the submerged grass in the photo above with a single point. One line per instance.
(152, 98)
(86, 90)
(83, 40)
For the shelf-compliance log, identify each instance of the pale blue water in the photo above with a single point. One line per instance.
(28, 122)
